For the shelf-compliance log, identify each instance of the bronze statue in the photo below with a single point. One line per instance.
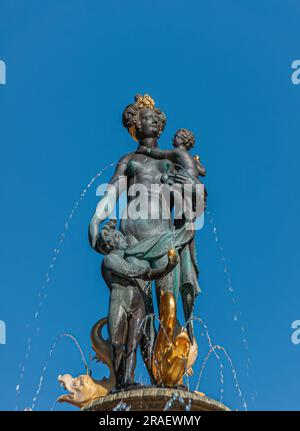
(150, 246)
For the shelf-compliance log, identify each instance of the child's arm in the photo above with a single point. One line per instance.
(158, 153)
(119, 266)
(124, 269)
(157, 273)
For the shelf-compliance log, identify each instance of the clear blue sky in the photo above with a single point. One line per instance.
(219, 68)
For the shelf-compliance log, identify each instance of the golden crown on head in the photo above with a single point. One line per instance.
(145, 101)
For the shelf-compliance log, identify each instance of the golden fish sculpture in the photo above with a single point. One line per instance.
(173, 355)
(83, 389)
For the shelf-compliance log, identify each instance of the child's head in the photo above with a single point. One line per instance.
(184, 137)
(110, 239)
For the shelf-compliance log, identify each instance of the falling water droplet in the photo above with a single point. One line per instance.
(237, 314)
(56, 252)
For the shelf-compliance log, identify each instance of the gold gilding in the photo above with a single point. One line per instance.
(132, 132)
(145, 101)
(171, 253)
(173, 354)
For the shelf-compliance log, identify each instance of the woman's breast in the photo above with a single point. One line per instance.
(148, 168)
(148, 210)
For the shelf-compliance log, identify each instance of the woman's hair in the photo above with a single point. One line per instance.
(131, 117)
(105, 241)
(188, 137)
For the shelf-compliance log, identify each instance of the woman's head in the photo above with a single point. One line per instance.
(142, 119)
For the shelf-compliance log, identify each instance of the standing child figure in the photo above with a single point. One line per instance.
(126, 306)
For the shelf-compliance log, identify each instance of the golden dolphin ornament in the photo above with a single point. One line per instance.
(84, 389)
(173, 355)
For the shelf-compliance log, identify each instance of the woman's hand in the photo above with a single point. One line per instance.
(93, 232)
(172, 178)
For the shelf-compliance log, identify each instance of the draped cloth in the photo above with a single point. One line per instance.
(158, 245)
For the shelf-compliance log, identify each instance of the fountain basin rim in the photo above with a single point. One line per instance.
(154, 399)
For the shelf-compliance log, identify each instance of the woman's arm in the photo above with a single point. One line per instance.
(192, 191)
(107, 204)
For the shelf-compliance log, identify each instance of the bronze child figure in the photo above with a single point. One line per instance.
(183, 141)
(127, 310)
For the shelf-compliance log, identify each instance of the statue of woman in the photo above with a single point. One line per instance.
(152, 234)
